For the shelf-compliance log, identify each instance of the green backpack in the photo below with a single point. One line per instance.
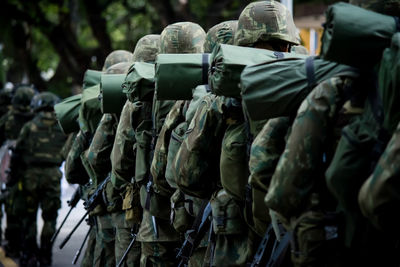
(228, 62)
(91, 78)
(90, 110)
(277, 88)
(139, 82)
(67, 113)
(364, 140)
(351, 33)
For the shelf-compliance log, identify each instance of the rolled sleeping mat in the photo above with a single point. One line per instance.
(139, 82)
(277, 88)
(112, 99)
(356, 36)
(176, 75)
(67, 113)
(228, 62)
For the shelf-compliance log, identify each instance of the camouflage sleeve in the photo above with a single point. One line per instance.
(122, 154)
(299, 167)
(159, 162)
(68, 144)
(198, 156)
(101, 146)
(379, 196)
(266, 149)
(17, 162)
(2, 128)
(75, 172)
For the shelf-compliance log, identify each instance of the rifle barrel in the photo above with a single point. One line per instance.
(122, 260)
(78, 253)
(53, 238)
(73, 230)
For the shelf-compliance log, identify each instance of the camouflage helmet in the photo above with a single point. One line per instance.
(222, 33)
(387, 7)
(182, 37)
(44, 101)
(119, 68)
(117, 56)
(22, 96)
(146, 48)
(265, 21)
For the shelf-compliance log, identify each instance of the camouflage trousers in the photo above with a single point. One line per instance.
(14, 206)
(41, 187)
(160, 254)
(104, 254)
(87, 259)
(123, 239)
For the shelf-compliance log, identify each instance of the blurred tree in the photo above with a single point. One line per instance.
(51, 43)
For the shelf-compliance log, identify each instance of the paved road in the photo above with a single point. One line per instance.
(63, 257)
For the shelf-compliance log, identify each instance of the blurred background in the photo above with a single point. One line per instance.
(50, 43)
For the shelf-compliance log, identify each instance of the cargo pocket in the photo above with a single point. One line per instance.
(131, 205)
(157, 204)
(143, 141)
(175, 142)
(234, 165)
(180, 218)
(226, 215)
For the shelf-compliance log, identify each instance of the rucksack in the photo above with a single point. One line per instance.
(67, 113)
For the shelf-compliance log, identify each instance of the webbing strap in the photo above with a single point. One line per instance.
(397, 20)
(205, 67)
(310, 72)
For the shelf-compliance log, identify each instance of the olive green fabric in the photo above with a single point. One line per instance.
(91, 78)
(139, 82)
(389, 80)
(113, 98)
(379, 196)
(228, 62)
(90, 110)
(67, 113)
(356, 36)
(275, 89)
(177, 74)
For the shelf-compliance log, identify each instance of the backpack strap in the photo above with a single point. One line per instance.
(310, 72)
(205, 66)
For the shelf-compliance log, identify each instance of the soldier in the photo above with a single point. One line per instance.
(5, 100)
(232, 242)
(159, 239)
(145, 51)
(10, 126)
(35, 166)
(75, 170)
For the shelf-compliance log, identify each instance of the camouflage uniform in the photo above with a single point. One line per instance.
(98, 160)
(182, 37)
(122, 171)
(224, 121)
(5, 101)
(38, 153)
(297, 192)
(10, 126)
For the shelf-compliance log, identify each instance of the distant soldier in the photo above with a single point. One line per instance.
(11, 123)
(5, 100)
(35, 167)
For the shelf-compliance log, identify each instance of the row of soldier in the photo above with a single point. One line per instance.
(193, 181)
(31, 155)
(199, 183)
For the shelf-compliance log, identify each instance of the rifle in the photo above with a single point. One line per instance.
(89, 205)
(194, 235)
(78, 253)
(279, 251)
(133, 234)
(72, 203)
(265, 247)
